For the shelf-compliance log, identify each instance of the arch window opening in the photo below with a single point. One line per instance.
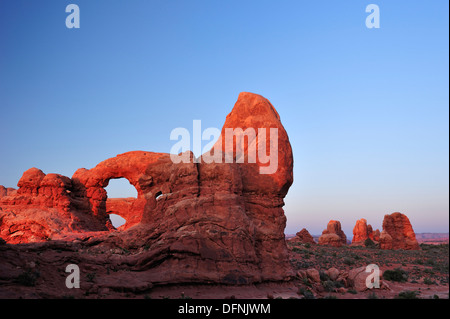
(158, 195)
(117, 220)
(120, 196)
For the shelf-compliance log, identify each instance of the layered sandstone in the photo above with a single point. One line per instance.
(333, 235)
(303, 237)
(193, 221)
(362, 232)
(398, 233)
(6, 191)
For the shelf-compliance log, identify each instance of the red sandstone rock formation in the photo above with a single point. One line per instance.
(6, 191)
(333, 235)
(398, 233)
(375, 235)
(43, 208)
(199, 222)
(303, 237)
(124, 208)
(362, 231)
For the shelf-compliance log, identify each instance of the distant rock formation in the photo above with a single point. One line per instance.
(432, 238)
(362, 231)
(333, 235)
(124, 208)
(43, 207)
(303, 237)
(195, 221)
(376, 235)
(398, 233)
(6, 191)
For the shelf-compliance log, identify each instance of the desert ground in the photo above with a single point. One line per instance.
(414, 274)
(424, 275)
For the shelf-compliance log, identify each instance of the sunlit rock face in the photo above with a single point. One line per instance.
(193, 221)
(398, 233)
(333, 235)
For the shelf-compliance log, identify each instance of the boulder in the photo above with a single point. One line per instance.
(357, 278)
(313, 275)
(333, 273)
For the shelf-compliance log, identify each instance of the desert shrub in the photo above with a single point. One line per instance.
(306, 282)
(303, 264)
(183, 296)
(352, 291)
(307, 245)
(356, 256)
(397, 274)
(306, 293)
(428, 271)
(323, 276)
(369, 243)
(90, 276)
(331, 286)
(329, 297)
(28, 278)
(348, 261)
(441, 267)
(372, 295)
(408, 294)
(428, 281)
(430, 262)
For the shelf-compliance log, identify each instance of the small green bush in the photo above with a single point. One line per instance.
(307, 294)
(90, 276)
(348, 261)
(408, 294)
(372, 295)
(428, 281)
(306, 282)
(369, 243)
(323, 276)
(397, 274)
(331, 286)
(28, 278)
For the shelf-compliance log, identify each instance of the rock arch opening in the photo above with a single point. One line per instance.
(121, 195)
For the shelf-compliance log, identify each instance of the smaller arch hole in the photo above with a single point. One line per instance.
(158, 195)
(117, 220)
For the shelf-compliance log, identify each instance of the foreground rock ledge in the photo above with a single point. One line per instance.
(191, 222)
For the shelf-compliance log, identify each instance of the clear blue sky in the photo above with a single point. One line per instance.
(366, 110)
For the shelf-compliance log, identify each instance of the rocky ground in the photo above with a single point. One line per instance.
(414, 273)
(38, 271)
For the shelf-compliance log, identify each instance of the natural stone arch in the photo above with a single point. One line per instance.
(90, 184)
(119, 207)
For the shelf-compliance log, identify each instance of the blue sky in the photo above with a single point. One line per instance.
(366, 110)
